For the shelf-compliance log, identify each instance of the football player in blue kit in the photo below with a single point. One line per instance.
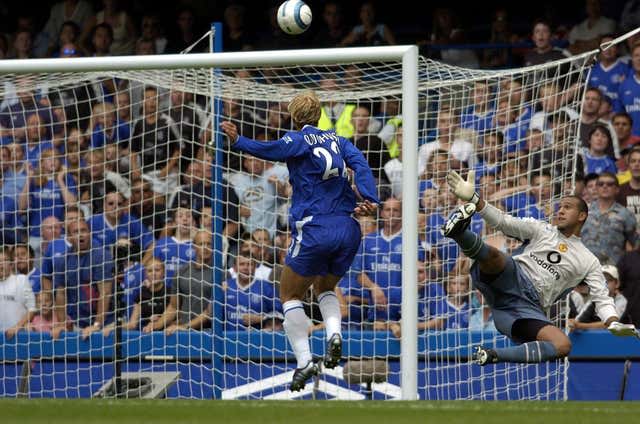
(325, 234)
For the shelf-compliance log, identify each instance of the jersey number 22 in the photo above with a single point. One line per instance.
(329, 170)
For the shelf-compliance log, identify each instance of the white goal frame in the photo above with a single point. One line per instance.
(406, 54)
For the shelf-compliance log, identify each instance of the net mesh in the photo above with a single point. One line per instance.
(131, 154)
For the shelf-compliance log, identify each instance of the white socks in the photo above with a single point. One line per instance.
(330, 309)
(296, 325)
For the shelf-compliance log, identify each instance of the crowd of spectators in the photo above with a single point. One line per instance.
(503, 36)
(106, 184)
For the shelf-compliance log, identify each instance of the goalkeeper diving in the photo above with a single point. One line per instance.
(519, 288)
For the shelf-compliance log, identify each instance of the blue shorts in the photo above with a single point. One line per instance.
(511, 296)
(323, 245)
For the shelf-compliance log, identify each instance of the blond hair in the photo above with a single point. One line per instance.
(305, 109)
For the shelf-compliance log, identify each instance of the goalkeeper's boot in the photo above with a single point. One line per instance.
(301, 375)
(333, 353)
(459, 220)
(483, 356)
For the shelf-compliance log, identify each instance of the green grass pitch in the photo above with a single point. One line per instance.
(311, 412)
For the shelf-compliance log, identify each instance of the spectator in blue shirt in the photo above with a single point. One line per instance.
(381, 253)
(452, 310)
(609, 71)
(479, 115)
(532, 203)
(81, 273)
(430, 292)
(596, 160)
(11, 230)
(130, 274)
(46, 193)
(249, 301)
(490, 154)
(13, 171)
(629, 91)
(36, 139)
(106, 128)
(116, 222)
(13, 115)
(177, 250)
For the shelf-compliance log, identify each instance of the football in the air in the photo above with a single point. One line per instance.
(294, 16)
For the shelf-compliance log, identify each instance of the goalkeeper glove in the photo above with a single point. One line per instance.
(465, 190)
(618, 329)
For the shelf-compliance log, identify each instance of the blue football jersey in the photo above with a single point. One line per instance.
(381, 260)
(119, 134)
(35, 278)
(57, 247)
(10, 221)
(523, 205)
(358, 298)
(629, 101)
(128, 227)
(317, 161)
(448, 250)
(608, 80)
(174, 254)
(479, 123)
(32, 154)
(515, 137)
(259, 297)
(454, 317)
(598, 165)
(77, 273)
(428, 297)
(47, 200)
(132, 284)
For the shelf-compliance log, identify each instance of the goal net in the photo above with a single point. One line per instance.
(124, 204)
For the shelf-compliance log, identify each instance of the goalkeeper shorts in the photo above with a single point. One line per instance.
(511, 295)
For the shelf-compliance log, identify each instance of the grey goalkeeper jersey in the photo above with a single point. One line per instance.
(555, 264)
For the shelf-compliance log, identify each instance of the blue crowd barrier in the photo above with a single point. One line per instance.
(73, 367)
(187, 345)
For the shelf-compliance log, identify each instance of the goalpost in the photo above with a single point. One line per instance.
(412, 102)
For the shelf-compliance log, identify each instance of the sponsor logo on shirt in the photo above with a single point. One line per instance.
(552, 258)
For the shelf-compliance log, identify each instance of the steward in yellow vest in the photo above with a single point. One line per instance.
(343, 125)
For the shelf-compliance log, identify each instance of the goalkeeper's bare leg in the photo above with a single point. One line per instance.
(542, 341)
(293, 288)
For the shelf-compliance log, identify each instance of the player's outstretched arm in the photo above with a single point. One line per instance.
(604, 304)
(523, 229)
(278, 150)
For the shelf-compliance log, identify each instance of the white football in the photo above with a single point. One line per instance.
(294, 16)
